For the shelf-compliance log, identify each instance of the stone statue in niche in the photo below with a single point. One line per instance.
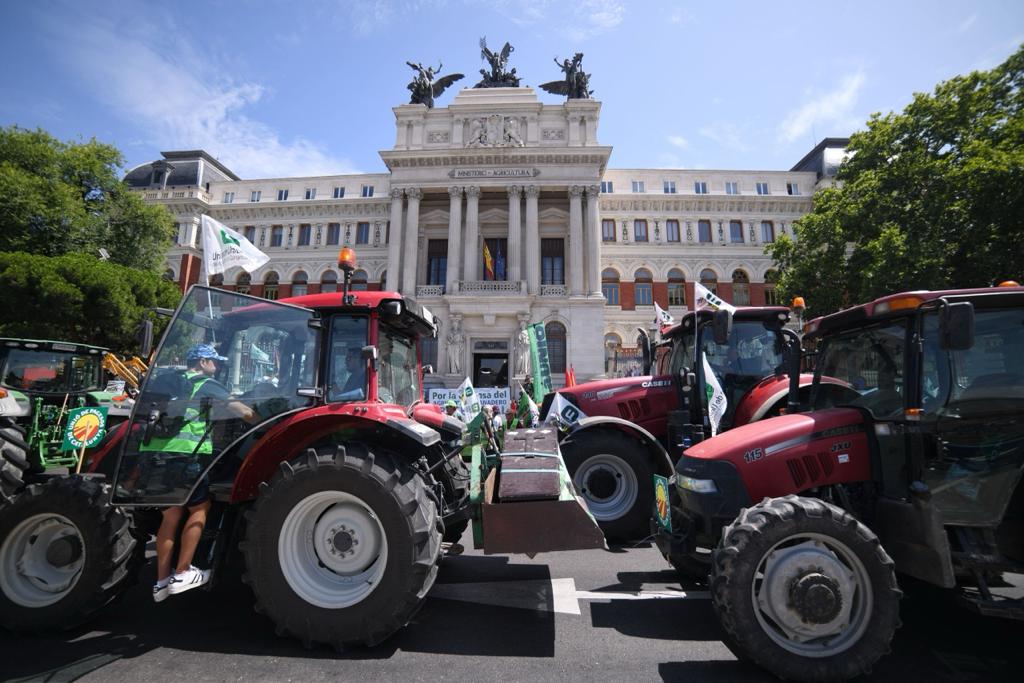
(576, 84)
(499, 76)
(456, 346)
(425, 88)
(522, 351)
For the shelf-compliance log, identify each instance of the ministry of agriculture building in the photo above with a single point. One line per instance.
(498, 211)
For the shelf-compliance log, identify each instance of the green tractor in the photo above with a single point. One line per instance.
(40, 383)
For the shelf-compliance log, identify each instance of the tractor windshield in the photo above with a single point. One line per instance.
(49, 372)
(399, 377)
(752, 353)
(227, 364)
(869, 364)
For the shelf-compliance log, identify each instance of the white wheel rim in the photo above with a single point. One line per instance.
(608, 485)
(30, 573)
(332, 549)
(797, 557)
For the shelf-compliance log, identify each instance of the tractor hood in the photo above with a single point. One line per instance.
(644, 400)
(786, 454)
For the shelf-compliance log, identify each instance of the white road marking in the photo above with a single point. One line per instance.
(555, 595)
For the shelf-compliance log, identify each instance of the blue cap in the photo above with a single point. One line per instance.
(201, 351)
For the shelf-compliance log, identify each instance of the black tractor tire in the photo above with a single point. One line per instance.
(316, 510)
(458, 474)
(89, 559)
(14, 460)
(771, 532)
(614, 475)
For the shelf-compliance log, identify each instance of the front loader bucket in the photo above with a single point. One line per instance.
(528, 503)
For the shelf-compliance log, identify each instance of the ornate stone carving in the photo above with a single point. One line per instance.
(552, 134)
(490, 287)
(721, 233)
(414, 193)
(753, 235)
(554, 290)
(396, 192)
(689, 231)
(514, 190)
(593, 191)
(376, 233)
(472, 191)
(429, 290)
(455, 191)
(532, 191)
(437, 136)
(456, 346)
(494, 131)
(576, 191)
(522, 351)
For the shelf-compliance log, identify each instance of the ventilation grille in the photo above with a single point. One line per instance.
(810, 469)
(634, 409)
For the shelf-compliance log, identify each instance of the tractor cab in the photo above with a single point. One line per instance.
(49, 370)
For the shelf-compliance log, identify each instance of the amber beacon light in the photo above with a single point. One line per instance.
(347, 259)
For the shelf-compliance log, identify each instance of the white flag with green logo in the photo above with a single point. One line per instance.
(470, 404)
(716, 400)
(223, 249)
(705, 297)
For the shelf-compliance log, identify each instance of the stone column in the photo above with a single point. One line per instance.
(454, 235)
(532, 241)
(412, 229)
(472, 250)
(593, 232)
(395, 242)
(575, 240)
(515, 232)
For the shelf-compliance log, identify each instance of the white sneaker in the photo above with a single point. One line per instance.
(187, 580)
(160, 593)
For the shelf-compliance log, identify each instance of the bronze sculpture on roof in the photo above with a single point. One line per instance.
(576, 84)
(425, 87)
(499, 76)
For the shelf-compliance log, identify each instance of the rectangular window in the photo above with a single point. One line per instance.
(732, 188)
(607, 230)
(552, 261)
(497, 251)
(792, 189)
(676, 294)
(606, 187)
(611, 293)
(255, 195)
(771, 298)
(767, 231)
(762, 188)
(339, 193)
(276, 235)
(704, 231)
(644, 295)
(437, 261)
(669, 186)
(282, 195)
(362, 233)
(367, 190)
(700, 187)
(333, 233)
(310, 193)
(640, 230)
(250, 233)
(305, 234)
(638, 187)
(735, 231)
(229, 198)
(672, 230)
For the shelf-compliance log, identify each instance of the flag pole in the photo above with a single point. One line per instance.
(204, 277)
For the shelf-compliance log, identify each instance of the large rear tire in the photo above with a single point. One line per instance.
(342, 546)
(805, 590)
(614, 476)
(65, 553)
(14, 462)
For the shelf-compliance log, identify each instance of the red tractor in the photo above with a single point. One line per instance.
(635, 427)
(338, 487)
(912, 464)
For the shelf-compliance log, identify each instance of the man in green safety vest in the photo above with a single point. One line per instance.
(192, 441)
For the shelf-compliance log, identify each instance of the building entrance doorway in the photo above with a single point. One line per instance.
(490, 370)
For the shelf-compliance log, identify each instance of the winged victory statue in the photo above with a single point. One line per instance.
(576, 83)
(425, 87)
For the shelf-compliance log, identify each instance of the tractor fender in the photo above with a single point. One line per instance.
(661, 460)
(14, 404)
(385, 425)
(769, 393)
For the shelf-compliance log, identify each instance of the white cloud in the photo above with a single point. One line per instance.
(966, 24)
(727, 135)
(578, 20)
(830, 110)
(678, 141)
(156, 78)
(669, 160)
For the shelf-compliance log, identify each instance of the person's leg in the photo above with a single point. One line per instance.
(191, 533)
(165, 541)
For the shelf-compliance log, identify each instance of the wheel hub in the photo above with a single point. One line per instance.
(64, 551)
(41, 560)
(816, 598)
(602, 484)
(608, 485)
(343, 541)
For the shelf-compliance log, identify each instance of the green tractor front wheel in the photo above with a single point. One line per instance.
(14, 460)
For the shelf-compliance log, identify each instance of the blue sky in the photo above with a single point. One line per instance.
(297, 88)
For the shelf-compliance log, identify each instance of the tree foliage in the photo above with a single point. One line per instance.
(65, 197)
(930, 198)
(78, 297)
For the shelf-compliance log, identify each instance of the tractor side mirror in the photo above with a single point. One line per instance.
(370, 353)
(956, 326)
(145, 338)
(721, 325)
(644, 342)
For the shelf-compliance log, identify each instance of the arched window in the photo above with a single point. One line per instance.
(243, 282)
(612, 345)
(676, 288)
(643, 287)
(610, 286)
(767, 231)
(169, 275)
(740, 288)
(270, 282)
(709, 279)
(555, 332)
(771, 297)
(300, 283)
(329, 281)
(217, 280)
(359, 281)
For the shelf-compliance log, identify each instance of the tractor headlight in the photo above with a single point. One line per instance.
(696, 485)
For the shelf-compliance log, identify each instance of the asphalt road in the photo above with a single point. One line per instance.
(533, 619)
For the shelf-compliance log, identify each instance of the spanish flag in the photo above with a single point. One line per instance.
(488, 263)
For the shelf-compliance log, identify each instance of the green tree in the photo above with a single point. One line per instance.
(78, 297)
(930, 198)
(58, 198)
